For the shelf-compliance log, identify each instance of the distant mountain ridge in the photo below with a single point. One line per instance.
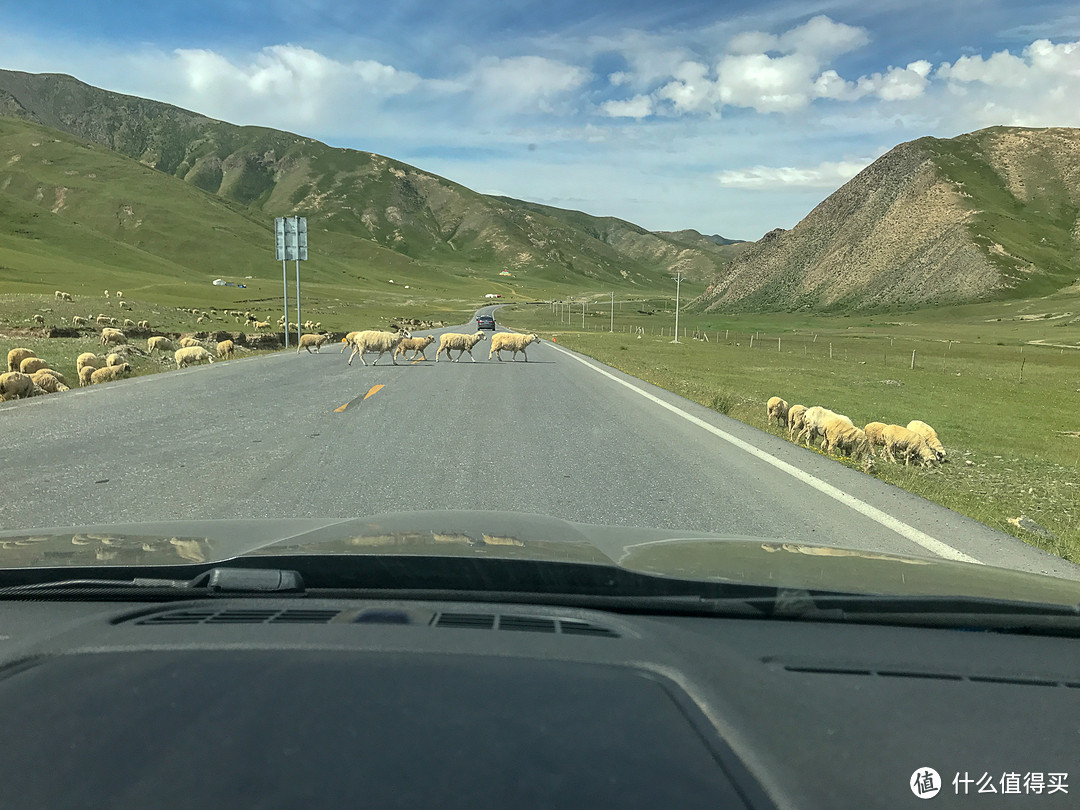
(993, 213)
(399, 207)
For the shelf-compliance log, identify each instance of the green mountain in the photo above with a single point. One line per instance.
(991, 214)
(361, 207)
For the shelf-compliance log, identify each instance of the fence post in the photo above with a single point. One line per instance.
(913, 358)
(830, 356)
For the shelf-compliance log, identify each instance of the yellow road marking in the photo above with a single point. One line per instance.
(374, 389)
(343, 407)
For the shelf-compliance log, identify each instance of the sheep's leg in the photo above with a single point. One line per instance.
(471, 356)
(523, 355)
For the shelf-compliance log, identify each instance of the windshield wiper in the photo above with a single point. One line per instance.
(215, 582)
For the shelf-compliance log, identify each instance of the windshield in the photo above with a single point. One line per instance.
(762, 296)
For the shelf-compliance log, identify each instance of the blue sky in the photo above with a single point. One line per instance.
(731, 118)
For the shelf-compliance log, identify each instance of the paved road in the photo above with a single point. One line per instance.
(560, 435)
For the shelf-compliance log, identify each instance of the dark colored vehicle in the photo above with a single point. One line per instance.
(485, 322)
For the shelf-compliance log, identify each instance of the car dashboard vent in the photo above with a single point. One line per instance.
(1015, 680)
(237, 616)
(528, 624)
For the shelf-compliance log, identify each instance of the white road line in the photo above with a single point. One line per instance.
(920, 538)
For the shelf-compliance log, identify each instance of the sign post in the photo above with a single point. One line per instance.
(290, 240)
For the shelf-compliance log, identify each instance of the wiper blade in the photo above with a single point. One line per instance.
(216, 581)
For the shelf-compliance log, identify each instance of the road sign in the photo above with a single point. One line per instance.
(290, 238)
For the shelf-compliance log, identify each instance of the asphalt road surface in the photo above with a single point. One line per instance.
(309, 436)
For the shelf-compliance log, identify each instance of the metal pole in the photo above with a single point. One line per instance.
(285, 288)
(297, 220)
(583, 313)
(678, 284)
(612, 329)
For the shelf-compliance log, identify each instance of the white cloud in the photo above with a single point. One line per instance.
(523, 81)
(824, 175)
(636, 107)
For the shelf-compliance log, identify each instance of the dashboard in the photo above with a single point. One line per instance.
(286, 702)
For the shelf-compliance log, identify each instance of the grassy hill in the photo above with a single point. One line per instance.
(992, 215)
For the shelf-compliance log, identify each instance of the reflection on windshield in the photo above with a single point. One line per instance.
(92, 549)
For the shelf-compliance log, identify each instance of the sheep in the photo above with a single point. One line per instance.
(49, 381)
(928, 433)
(103, 320)
(39, 320)
(78, 320)
(417, 345)
(188, 342)
(124, 305)
(32, 364)
(110, 373)
(262, 325)
(910, 443)
(840, 434)
(159, 343)
(16, 356)
(112, 336)
(307, 341)
(128, 323)
(119, 294)
(85, 373)
(507, 342)
(144, 324)
(106, 293)
(88, 359)
(875, 433)
(346, 341)
(113, 359)
(796, 419)
(59, 295)
(225, 349)
(191, 355)
(15, 385)
(814, 420)
(372, 340)
(776, 408)
(463, 343)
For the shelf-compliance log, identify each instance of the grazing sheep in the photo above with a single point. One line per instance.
(39, 320)
(307, 341)
(106, 293)
(814, 420)
(463, 343)
(508, 342)
(78, 320)
(88, 359)
(796, 419)
(225, 349)
(346, 341)
(928, 433)
(839, 434)
(15, 385)
(188, 342)
(910, 444)
(113, 359)
(776, 408)
(49, 381)
(417, 345)
(110, 373)
(372, 340)
(159, 343)
(85, 373)
(191, 355)
(144, 324)
(112, 336)
(32, 364)
(59, 295)
(124, 305)
(128, 323)
(875, 433)
(16, 356)
(119, 294)
(262, 325)
(103, 319)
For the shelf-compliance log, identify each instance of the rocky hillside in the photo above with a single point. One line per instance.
(397, 207)
(989, 214)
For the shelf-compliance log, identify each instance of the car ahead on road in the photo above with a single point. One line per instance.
(485, 322)
(516, 660)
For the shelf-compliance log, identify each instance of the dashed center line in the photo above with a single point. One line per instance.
(373, 390)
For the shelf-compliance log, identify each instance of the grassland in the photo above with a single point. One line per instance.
(1006, 408)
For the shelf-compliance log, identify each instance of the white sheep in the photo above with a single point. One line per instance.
(814, 420)
(78, 320)
(128, 323)
(191, 355)
(16, 356)
(776, 408)
(225, 349)
(463, 343)
(840, 434)
(39, 320)
(875, 434)
(928, 433)
(796, 419)
(910, 444)
(88, 359)
(49, 381)
(372, 340)
(307, 341)
(346, 342)
(262, 325)
(109, 336)
(32, 364)
(188, 342)
(159, 343)
(85, 373)
(417, 345)
(113, 359)
(16, 385)
(144, 324)
(119, 294)
(110, 373)
(509, 342)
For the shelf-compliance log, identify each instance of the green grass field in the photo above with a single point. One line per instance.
(1006, 409)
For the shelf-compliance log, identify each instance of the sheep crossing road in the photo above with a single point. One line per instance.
(309, 436)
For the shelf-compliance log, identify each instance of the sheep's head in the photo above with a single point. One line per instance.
(480, 336)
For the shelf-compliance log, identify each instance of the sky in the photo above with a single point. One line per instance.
(732, 118)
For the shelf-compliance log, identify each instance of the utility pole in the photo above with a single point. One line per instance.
(612, 329)
(678, 285)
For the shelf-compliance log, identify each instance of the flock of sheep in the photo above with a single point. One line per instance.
(371, 341)
(918, 442)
